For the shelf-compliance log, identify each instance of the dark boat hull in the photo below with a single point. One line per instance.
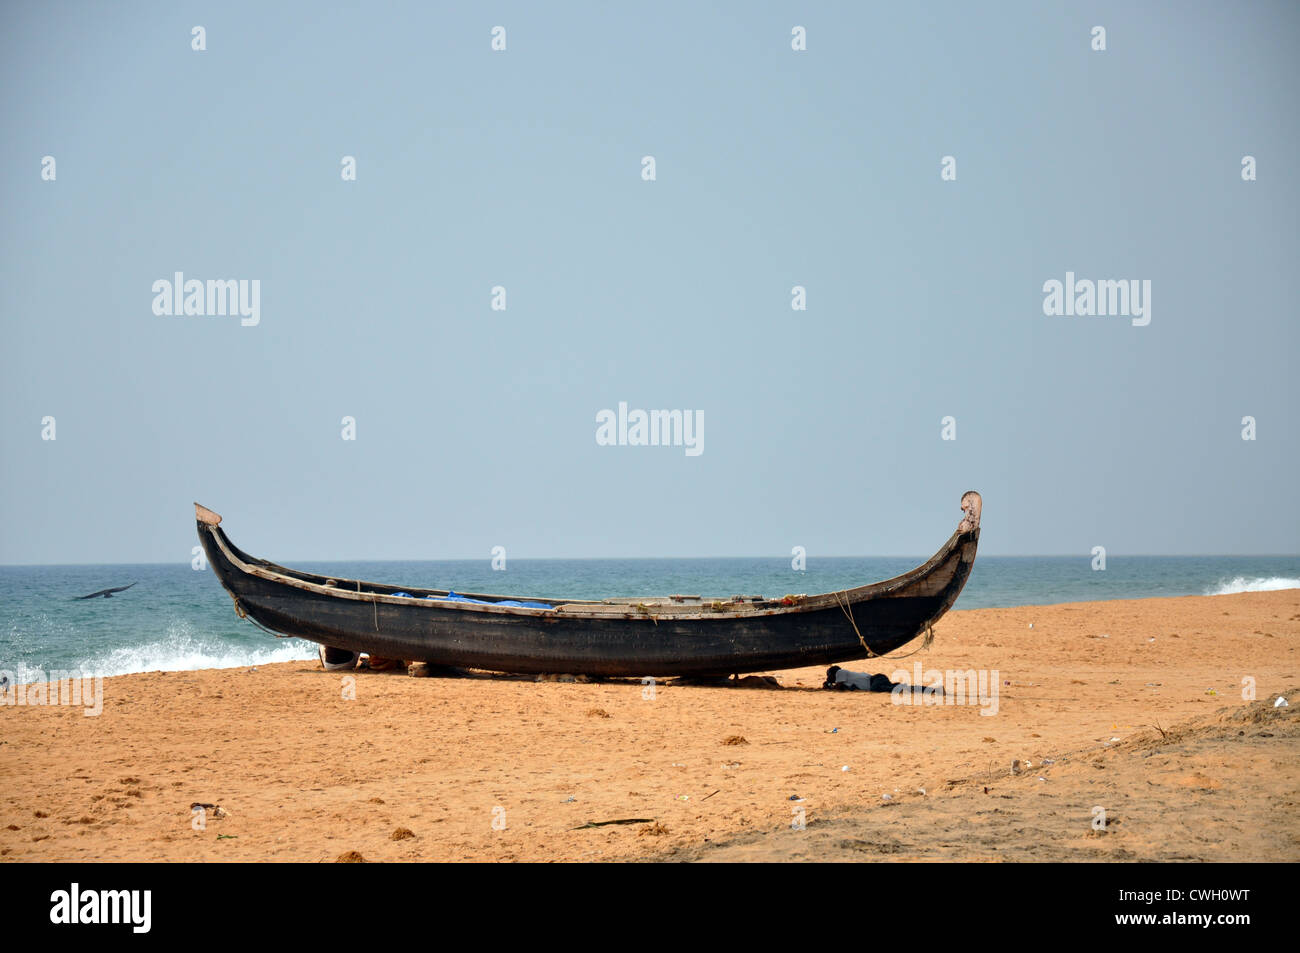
(597, 639)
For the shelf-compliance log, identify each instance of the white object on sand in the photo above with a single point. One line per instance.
(856, 680)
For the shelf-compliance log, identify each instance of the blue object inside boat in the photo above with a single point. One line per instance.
(455, 597)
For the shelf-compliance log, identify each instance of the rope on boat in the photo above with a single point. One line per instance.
(243, 614)
(847, 608)
(928, 641)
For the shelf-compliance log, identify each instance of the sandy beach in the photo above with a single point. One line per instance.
(1134, 707)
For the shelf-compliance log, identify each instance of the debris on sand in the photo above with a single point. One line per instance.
(757, 681)
(621, 820)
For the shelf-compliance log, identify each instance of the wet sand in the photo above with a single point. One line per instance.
(1137, 705)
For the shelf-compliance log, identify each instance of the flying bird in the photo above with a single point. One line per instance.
(106, 593)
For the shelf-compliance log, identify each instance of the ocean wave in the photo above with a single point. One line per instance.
(182, 651)
(1253, 584)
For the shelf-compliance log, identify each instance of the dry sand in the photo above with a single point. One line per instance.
(304, 774)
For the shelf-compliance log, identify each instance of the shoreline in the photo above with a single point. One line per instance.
(513, 768)
(311, 657)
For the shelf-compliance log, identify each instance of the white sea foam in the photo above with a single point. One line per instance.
(182, 651)
(1254, 584)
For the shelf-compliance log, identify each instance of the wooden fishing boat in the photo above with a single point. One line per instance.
(671, 635)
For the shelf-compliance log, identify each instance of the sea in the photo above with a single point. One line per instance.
(175, 618)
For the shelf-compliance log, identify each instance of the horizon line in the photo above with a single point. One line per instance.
(488, 558)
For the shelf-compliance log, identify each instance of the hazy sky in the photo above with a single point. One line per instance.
(523, 169)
